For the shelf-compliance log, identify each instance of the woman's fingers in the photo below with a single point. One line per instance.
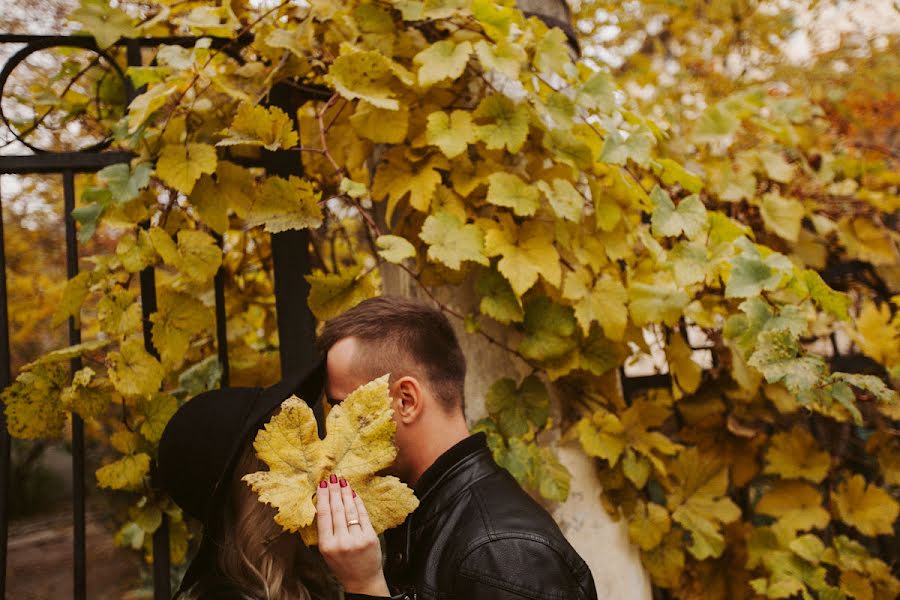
(338, 515)
(323, 512)
(363, 515)
(350, 508)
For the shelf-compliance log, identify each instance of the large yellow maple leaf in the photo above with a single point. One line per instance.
(359, 443)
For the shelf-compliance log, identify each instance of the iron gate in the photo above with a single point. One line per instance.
(290, 258)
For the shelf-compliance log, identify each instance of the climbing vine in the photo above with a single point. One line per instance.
(462, 144)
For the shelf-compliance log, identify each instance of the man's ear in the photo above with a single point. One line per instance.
(408, 399)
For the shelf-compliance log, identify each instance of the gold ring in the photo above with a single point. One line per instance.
(353, 522)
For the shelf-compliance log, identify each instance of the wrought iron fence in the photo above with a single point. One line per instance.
(290, 259)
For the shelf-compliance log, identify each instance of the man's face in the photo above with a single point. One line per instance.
(345, 374)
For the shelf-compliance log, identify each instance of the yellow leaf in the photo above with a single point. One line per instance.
(506, 123)
(178, 318)
(368, 75)
(269, 127)
(451, 241)
(330, 294)
(648, 525)
(380, 125)
(661, 303)
(665, 562)
(180, 166)
(867, 240)
(527, 252)
(157, 410)
(567, 202)
(284, 204)
(32, 402)
(794, 454)
(133, 371)
(394, 249)
(602, 300)
(685, 372)
(796, 505)
(233, 189)
(452, 133)
(135, 251)
(877, 334)
(782, 216)
(510, 191)
(127, 473)
(700, 503)
(866, 507)
(358, 444)
(88, 395)
(442, 60)
(196, 255)
(395, 178)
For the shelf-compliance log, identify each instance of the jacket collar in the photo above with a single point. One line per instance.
(443, 467)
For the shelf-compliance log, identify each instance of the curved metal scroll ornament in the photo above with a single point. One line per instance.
(44, 44)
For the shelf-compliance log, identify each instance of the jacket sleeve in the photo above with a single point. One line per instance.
(518, 568)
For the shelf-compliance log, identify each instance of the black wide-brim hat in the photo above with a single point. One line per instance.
(201, 444)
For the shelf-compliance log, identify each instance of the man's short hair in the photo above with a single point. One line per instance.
(403, 337)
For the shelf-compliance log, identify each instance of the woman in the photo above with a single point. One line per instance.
(205, 450)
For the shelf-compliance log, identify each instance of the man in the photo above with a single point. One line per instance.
(476, 534)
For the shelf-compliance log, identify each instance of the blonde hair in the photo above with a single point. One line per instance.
(256, 554)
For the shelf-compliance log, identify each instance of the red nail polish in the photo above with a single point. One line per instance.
(333, 479)
(343, 482)
(354, 494)
(323, 484)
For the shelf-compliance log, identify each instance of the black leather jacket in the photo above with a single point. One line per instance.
(477, 535)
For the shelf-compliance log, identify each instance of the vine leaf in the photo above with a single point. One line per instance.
(359, 443)
(864, 506)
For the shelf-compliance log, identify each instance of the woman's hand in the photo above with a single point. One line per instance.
(346, 539)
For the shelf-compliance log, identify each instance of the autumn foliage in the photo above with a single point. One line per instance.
(702, 203)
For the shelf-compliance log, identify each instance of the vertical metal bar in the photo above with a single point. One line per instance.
(162, 586)
(221, 319)
(5, 441)
(79, 549)
(290, 262)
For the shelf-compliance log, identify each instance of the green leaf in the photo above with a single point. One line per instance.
(834, 303)
(123, 183)
(502, 56)
(554, 479)
(777, 358)
(516, 409)
(549, 330)
(451, 241)
(751, 274)
(663, 303)
(618, 149)
(88, 217)
(498, 300)
(667, 220)
(598, 92)
(599, 354)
